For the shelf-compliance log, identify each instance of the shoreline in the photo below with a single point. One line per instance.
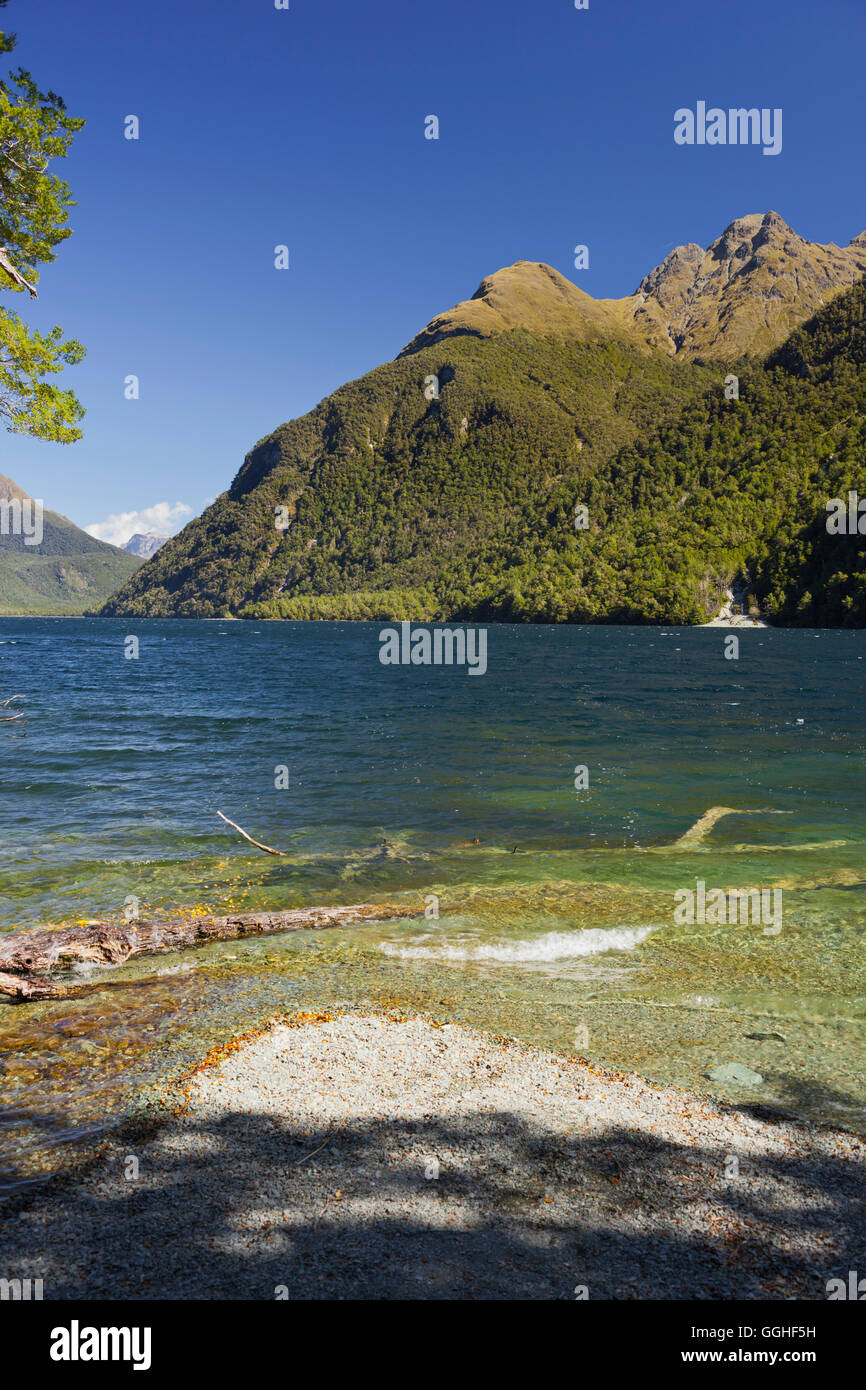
(736, 621)
(363, 1155)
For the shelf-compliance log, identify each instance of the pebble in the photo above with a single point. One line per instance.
(367, 1157)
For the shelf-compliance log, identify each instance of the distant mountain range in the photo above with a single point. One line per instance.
(50, 566)
(145, 543)
(537, 454)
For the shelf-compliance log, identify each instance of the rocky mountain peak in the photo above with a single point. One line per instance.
(145, 543)
(743, 294)
(747, 291)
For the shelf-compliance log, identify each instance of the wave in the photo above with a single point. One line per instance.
(554, 945)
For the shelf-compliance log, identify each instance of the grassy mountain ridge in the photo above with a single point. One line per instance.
(534, 297)
(740, 297)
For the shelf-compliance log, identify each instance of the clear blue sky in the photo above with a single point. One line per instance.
(306, 127)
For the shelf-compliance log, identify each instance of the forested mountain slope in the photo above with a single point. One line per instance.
(452, 481)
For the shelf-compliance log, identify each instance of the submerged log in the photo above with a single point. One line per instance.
(29, 989)
(26, 958)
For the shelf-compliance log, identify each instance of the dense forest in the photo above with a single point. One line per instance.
(547, 481)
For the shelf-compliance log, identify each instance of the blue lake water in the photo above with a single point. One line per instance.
(557, 926)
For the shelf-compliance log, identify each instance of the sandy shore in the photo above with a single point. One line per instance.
(735, 620)
(362, 1157)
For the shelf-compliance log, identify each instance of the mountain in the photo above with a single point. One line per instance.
(742, 295)
(746, 292)
(445, 483)
(410, 505)
(537, 299)
(144, 544)
(65, 573)
(742, 491)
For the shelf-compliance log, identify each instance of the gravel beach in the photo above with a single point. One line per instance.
(362, 1157)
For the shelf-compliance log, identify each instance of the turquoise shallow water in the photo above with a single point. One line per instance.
(557, 926)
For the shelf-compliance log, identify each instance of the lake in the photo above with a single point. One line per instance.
(543, 816)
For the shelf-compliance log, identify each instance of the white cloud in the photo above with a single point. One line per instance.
(163, 518)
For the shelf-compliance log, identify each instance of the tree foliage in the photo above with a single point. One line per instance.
(35, 129)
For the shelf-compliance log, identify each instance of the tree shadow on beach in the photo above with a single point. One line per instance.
(250, 1207)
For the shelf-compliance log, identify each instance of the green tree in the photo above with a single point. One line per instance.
(35, 128)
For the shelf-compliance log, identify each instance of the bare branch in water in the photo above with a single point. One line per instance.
(267, 849)
(10, 718)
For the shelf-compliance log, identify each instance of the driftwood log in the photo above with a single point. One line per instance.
(25, 990)
(28, 959)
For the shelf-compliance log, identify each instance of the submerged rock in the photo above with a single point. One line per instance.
(735, 1072)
